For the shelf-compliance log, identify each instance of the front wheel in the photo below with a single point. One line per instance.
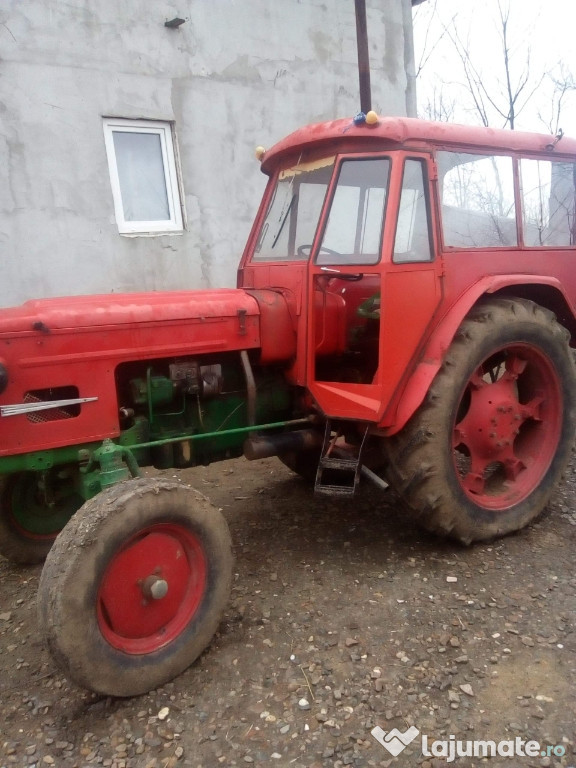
(135, 586)
(483, 454)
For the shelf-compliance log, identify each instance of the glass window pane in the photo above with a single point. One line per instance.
(478, 208)
(547, 202)
(290, 225)
(372, 225)
(142, 176)
(310, 200)
(412, 241)
(354, 230)
(340, 234)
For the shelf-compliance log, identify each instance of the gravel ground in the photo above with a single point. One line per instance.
(343, 617)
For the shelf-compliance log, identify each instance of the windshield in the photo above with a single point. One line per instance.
(290, 225)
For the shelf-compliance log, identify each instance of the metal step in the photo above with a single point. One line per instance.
(334, 490)
(336, 463)
(337, 475)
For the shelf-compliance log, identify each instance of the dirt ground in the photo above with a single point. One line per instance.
(343, 617)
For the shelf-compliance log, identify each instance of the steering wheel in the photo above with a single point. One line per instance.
(304, 251)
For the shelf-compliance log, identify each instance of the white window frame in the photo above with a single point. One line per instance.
(165, 131)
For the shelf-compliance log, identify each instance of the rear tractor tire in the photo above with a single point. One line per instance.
(135, 586)
(483, 454)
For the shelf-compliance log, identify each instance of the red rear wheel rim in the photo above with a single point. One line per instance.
(508, 427)
(152, 588)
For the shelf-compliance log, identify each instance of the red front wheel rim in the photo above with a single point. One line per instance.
(508, 427)
(152, 588)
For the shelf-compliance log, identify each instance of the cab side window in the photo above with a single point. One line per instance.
(413, 241)
(478, 207)
(548, 203)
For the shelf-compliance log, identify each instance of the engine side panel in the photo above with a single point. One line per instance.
(69, 349)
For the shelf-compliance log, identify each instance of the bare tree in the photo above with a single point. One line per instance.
(564, 90)
(426, 13)
(440, 105)
(492, 79)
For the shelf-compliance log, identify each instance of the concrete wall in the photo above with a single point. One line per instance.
(237, 74)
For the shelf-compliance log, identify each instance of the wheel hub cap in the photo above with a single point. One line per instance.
(509, 427)
(152, 588)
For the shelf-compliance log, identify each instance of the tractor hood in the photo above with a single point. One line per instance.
(77, 312)
(71, 348)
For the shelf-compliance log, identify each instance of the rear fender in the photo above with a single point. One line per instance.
(413, 392)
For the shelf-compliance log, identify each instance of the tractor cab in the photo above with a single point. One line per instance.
(346, 233)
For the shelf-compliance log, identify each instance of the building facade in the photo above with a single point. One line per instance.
(128, 145)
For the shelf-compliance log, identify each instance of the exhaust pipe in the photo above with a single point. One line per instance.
(363, 56)
(264, 446)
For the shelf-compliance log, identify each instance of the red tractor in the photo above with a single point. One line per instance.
(405, 307)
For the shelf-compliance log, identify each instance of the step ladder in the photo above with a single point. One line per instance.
(338, 472)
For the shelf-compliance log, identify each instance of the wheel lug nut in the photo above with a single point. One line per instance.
(154, 588)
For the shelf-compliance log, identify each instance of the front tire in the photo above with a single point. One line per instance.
(135, 586)
(484, 453)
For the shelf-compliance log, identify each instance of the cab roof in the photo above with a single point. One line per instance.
(392, 132)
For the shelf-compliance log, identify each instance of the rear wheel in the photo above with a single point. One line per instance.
(135, 586)
(34, 507)
(483, 454)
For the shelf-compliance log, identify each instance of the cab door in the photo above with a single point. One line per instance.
(374, 283)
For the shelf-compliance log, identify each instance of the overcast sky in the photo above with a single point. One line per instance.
(545, 28)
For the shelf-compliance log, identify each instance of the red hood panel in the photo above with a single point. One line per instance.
(127, 308)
